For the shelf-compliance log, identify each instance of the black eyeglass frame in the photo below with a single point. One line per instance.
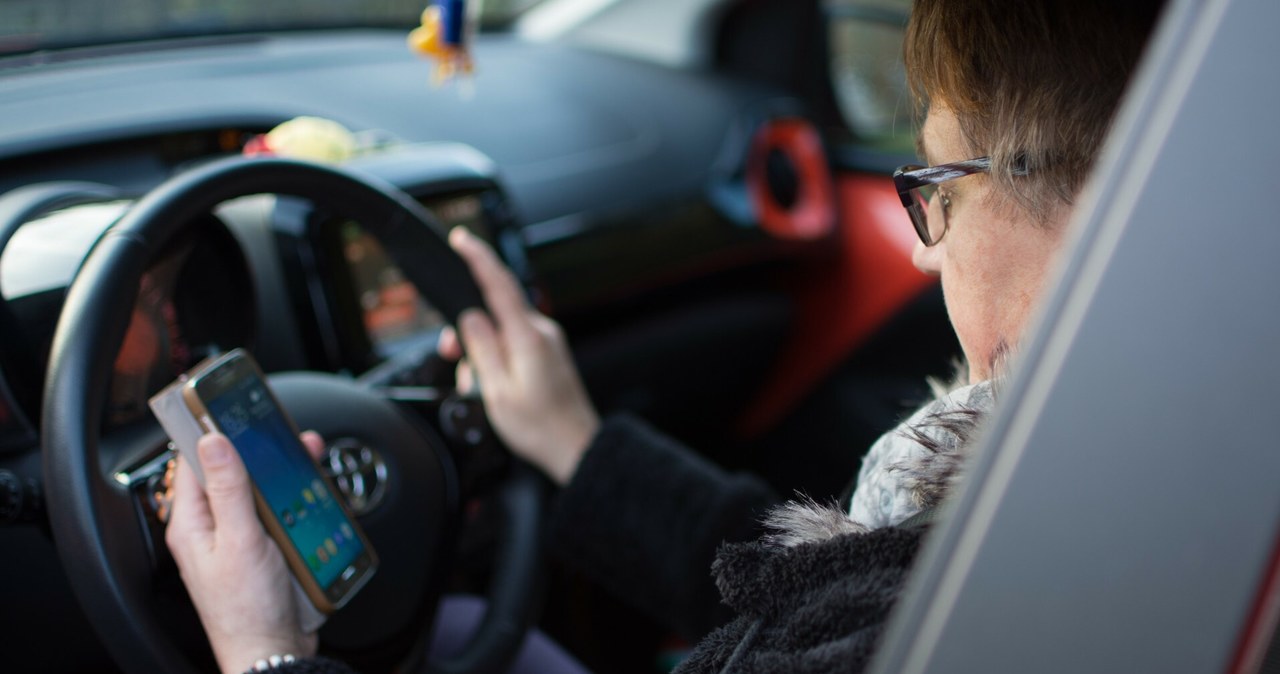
(911, 177)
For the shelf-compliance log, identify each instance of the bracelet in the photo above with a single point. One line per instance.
(271, 663)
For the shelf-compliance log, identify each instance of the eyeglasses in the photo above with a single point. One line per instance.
(918, 185)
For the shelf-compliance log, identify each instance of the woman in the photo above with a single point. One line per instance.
(1018, 99)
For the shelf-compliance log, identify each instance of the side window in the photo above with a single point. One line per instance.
(868, 76)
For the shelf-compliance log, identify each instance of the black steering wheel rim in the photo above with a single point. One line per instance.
(108, 568)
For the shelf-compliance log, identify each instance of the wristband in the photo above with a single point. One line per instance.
(271, 663)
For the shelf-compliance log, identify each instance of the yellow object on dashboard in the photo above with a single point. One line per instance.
(313, 138)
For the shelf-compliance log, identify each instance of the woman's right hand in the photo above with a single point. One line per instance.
(533, 395)
(234, 572)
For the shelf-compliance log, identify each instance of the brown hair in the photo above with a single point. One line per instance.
(1033, 83)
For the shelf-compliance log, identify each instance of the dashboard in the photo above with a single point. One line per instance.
(596, 200)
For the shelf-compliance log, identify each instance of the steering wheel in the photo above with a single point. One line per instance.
(114, 556)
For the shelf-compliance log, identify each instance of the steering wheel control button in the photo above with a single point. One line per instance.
(20, 498)
(479, 456)
(463, 420)
(359, 472)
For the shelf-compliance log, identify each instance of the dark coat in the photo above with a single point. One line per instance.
(815, 607)
(644, 516)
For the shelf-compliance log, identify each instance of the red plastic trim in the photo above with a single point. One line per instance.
(813, 216)
(839, 305)
(1260, 625)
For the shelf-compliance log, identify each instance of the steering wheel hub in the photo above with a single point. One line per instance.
(359, 472)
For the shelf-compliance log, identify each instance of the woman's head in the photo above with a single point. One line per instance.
(1033, 86)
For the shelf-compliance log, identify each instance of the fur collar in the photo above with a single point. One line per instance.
(947, 433)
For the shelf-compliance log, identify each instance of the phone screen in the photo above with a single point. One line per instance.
(287, 479)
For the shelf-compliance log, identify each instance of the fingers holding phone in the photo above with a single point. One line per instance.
(321, 540)
(314, 444)
(262, 540)
(234, 572)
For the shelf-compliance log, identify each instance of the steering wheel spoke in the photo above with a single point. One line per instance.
(143, 478)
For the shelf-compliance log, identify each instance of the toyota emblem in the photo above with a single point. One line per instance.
(358, 472)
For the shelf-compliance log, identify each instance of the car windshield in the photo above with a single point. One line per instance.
(28, 25)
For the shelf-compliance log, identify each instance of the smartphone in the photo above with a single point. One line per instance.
(321, 541)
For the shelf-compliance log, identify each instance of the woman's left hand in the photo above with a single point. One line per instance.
(532, 391)
(233, 570)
